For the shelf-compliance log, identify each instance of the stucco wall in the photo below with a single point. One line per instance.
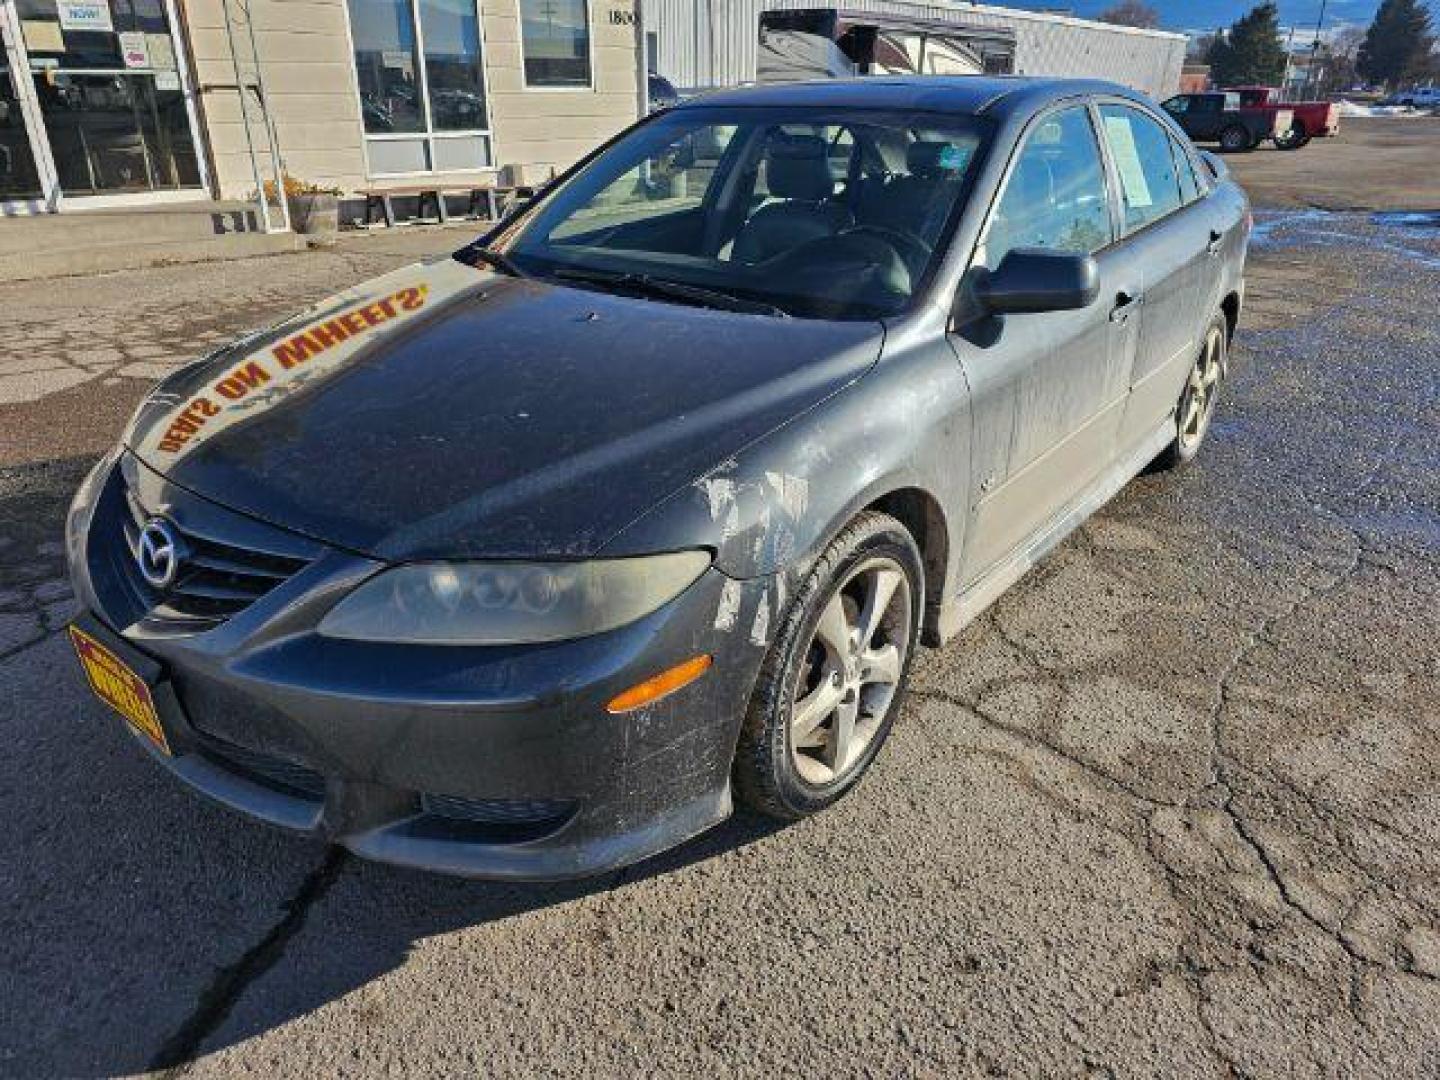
(554, 127)
(305, 57)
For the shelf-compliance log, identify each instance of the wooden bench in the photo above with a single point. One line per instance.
(496, 199)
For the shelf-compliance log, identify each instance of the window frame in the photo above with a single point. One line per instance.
(541, 88)
(1089, 108)
(1184, 161)
(428, 136)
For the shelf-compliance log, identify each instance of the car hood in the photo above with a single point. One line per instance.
(446, 411)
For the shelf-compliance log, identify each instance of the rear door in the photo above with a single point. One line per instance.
(1167, 238)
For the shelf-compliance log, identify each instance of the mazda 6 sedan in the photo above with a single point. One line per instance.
(526, 561)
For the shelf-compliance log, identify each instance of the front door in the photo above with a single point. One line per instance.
(95, 107)
(1048, 389)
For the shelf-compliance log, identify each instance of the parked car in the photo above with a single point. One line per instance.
(1423, 97)
(1309, 119)
(522, 563)
(1217, 117)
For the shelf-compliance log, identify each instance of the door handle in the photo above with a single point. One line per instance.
(1125, 303)
(1213, 247)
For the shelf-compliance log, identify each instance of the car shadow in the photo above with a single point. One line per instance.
(330, 945)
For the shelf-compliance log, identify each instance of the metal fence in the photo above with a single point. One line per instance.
(707, 43)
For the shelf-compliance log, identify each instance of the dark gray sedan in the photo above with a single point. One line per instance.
(525, 561)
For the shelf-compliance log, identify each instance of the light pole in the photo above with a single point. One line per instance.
(1315, 48)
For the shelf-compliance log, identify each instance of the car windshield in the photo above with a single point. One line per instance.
(816, 213)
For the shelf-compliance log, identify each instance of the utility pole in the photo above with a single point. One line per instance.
(1285, 77)
(1315, 48)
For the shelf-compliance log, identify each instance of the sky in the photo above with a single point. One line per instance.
(1208, 14)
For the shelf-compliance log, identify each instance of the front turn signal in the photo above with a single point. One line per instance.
(659, 686)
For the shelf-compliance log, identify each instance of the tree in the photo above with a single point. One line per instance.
(1131, 13)
(1200, 46)
(1251, 51)
(1397, 46)
(1337, 58)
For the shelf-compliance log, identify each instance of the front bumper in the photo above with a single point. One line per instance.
(494, 762)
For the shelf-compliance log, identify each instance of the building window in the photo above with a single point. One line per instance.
(555, 38)
(422, 84)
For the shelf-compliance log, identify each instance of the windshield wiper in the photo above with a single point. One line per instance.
(497, 259)
(673, 290)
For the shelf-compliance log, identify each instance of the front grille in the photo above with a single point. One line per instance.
(271, 771)
(216, 580)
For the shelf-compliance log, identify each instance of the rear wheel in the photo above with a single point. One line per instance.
(1196, 407)
(1293, 139)
(833, 680)
(1235, 139)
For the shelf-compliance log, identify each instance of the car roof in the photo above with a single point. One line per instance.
(973, 94)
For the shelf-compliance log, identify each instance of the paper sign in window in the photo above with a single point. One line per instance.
(42, 35)
(91, 15)
(135, 49)
(1121, 137)
(162, 53)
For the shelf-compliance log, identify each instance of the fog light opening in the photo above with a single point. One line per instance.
(659, 686)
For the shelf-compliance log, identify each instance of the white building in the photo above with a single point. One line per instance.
(710, 43)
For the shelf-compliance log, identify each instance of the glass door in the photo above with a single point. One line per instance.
(19, 174)
(104, 92)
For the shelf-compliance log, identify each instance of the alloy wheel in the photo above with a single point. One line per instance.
(1235, 138)
(851, 671)
(1197, 403)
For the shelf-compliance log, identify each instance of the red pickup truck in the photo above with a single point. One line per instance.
(1313, 119)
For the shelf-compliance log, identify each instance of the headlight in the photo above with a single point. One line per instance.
(510, 603)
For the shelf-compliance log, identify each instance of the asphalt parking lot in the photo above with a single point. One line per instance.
(1171, 808)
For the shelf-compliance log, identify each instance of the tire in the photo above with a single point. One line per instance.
(1294, 139)
(781, 761)
(1235, 139)
(1209, 370)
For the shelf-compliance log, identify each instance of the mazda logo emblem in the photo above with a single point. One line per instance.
(158, 553)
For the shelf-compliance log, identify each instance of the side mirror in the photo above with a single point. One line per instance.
(1036, 279)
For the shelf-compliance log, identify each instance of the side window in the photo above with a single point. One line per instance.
(1190, 188)
(555, 42)
(1056, 195)
(1149, 181)
(1177, 106)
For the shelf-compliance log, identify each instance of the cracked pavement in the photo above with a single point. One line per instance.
(1170, 808)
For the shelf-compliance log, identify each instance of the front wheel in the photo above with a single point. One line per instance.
(1196, 407)
(832, 683)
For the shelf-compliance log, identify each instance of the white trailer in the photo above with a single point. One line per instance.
(698, 44)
